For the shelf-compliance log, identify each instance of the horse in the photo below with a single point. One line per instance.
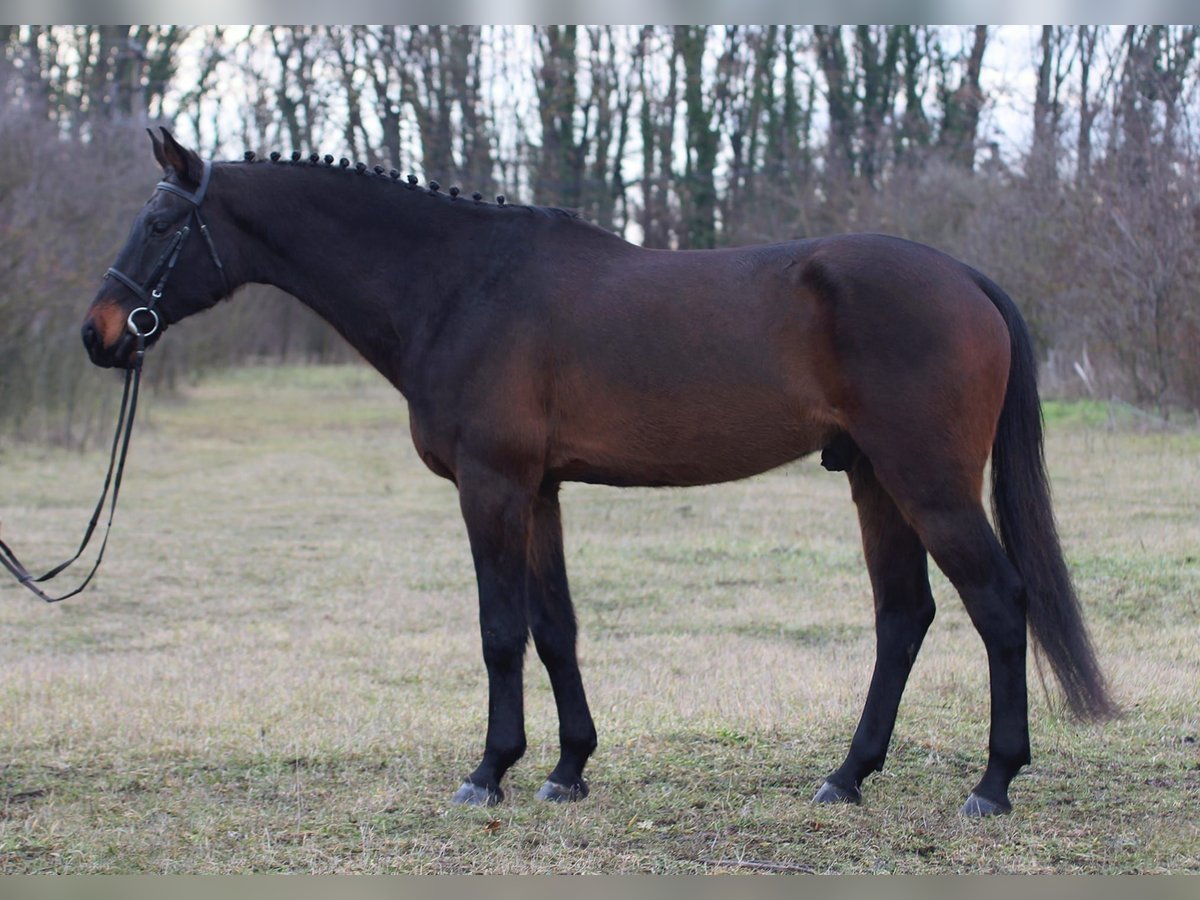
(534, 348)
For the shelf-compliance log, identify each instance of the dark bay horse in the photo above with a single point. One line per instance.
(534, 349)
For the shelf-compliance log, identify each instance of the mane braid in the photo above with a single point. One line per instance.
(392, 177)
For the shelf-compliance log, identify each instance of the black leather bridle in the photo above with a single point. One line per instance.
(165, 264)
(162, 270)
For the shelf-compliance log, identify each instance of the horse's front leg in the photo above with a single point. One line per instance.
(552, 621)
(496, 509)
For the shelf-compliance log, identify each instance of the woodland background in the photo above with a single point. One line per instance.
(687, 136)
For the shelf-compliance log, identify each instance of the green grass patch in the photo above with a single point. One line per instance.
(1086, 413)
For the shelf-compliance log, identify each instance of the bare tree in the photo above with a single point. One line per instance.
(1053, 67)
(961, 105)
(297, 49)
(698, 192)
(658, 88)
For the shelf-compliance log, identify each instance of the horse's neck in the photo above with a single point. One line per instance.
(374, 272)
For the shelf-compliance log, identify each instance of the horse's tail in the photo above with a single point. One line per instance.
(1025, 521)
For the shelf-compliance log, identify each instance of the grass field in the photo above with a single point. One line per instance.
(278, 668)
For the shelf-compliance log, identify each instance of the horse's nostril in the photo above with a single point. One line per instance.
(90, 336)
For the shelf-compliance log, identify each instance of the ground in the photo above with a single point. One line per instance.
(278, 667)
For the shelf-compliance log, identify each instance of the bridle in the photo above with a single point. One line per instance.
(161, 271)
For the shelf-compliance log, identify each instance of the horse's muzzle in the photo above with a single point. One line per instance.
(115, 352)
(106, 355)
(108, 335)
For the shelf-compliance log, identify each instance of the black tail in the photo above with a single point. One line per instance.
(1025, 521)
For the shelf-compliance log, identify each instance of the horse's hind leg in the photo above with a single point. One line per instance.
(552, 621)
(939, 494)
(904, 609)
(964, 546)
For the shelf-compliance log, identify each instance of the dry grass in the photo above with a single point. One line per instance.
(279, 666)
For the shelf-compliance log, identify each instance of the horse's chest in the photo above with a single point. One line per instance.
(436, 454)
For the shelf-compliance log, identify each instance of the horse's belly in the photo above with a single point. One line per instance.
(664, 446)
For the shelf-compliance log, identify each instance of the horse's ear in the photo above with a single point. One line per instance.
(159, 157)
(186, 164)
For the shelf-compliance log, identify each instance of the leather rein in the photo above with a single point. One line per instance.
(162, 270)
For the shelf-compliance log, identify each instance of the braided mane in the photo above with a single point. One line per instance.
(392, 176)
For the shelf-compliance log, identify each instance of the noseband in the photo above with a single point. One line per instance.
(165, 264)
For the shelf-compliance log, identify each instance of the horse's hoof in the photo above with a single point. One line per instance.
(554, 792)
(474, 795)
(831, 793)
(978, 807)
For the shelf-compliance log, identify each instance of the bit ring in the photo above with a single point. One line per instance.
(132, 327)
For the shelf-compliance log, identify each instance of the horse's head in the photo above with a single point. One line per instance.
(169, 267)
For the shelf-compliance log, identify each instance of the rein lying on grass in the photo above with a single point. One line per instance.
(116, 471)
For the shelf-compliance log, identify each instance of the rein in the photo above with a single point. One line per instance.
(162, 270)
(116, 461)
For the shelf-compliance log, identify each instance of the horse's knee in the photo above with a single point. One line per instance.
(504, 647)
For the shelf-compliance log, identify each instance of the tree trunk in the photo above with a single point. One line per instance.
(699, 194)
(960, 119)
(840, 156)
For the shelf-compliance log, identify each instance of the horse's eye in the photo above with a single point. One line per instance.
(159, 227)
